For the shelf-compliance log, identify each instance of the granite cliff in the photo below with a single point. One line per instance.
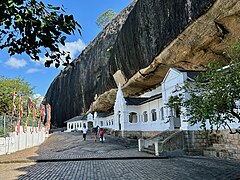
(137, 49)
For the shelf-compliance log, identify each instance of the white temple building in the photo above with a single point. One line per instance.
(149, 111)
(77, 123)
(146, 113)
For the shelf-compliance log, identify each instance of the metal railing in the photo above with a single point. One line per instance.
(8, 124)
(5, 125)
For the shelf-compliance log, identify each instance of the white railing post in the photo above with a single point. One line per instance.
(140, 144)
(156, 149)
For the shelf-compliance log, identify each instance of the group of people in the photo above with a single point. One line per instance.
(98, 132)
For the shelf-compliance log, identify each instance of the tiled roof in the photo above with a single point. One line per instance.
(104, 114)
(141, 100)
(134, 100)
(77, 118)
(191, 74)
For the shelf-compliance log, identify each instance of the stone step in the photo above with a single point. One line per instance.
(223, 154)
(219, 146)
(209, 153)
(214, 149)
(150, 151)
(152, 147)
(163, 135)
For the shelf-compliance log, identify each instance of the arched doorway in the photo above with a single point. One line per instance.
(90, 125)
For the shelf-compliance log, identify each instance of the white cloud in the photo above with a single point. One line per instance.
(16, 63)
(74, 47)
(33, 70)
(39, 98)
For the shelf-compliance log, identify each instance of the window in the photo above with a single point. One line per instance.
(101, 123)
(178, 112)
(107, 123)
(154, 115)
(119, 116)
(162, 113)
(145, 116)
(133, 117)
(112, 121)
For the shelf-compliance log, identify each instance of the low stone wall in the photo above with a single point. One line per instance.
(135, 134)
(16, 142)
(219, 144)
(196, 141)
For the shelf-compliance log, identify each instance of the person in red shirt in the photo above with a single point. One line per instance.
(101, 134)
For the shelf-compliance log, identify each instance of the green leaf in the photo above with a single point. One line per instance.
(62, 40)
(34, 25)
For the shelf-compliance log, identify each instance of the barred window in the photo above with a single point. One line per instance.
(145, 116)
(133, 117)
(154, 115)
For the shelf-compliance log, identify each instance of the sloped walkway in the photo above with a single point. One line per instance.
(67, 156)
(70, 146)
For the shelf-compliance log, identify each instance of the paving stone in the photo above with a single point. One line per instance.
(69, 146)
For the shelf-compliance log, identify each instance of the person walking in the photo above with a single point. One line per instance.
(101, 135)
(96, 133)
(84, 132)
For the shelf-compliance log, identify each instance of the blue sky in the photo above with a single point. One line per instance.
(86, 13)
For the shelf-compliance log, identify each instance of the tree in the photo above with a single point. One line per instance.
(214, 95)
(7, 87)
(30, 26)
(105, 18)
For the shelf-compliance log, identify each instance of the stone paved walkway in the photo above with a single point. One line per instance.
(66, 156)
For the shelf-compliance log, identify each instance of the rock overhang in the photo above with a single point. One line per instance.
(203, 41)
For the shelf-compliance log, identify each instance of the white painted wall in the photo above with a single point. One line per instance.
(105, 122)
(150, 125)
(17, 142)
(172, 79)
(76, 125)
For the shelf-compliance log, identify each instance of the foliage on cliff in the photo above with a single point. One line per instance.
(105, 18)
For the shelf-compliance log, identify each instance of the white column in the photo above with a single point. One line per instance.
(140, 144)
(156, 149)
(124, 120)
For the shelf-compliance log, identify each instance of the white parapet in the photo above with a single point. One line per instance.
(23, 140)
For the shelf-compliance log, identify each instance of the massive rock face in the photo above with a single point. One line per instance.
(73, 90)
(203, 41)
(157, 34)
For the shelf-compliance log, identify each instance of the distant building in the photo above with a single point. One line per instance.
(77, 123)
